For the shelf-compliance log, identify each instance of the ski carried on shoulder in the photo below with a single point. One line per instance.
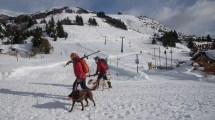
(85, 56)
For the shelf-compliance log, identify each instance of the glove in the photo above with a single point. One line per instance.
(91, 75)
(67, 63)
(95, 74)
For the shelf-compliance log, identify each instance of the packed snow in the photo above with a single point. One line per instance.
(37, 88)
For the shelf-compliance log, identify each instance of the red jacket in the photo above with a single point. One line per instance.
(78, 70)
(101, 67)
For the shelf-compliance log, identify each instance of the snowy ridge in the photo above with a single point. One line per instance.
(9, 13)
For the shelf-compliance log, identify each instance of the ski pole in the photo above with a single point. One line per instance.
(89, 75)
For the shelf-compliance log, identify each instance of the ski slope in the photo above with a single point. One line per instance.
(39, 91)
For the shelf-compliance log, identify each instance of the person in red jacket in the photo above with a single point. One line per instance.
(78, 71)
(101, 70)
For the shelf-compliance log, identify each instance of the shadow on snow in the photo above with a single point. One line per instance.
(53, 105)
(56, 85)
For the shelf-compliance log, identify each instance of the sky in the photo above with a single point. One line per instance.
(191, 17)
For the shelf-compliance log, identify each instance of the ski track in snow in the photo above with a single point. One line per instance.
(26, 70)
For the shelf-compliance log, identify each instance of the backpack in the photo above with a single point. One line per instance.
(105, 62)
(85, 67)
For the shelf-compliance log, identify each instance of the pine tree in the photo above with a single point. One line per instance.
(60, 31)
(19, 37)
(43, 21)
(66, 35)
(208, 38)
(101, 14)
(36, 40)
(1, 32)
(50, 28)
(169, 39)
(45, 46)
(175, 36)
(40, 44)
(154, 41)
(92, 21)
(190, 43)
(31, 22)
(68, 21)
(55, 38)
(119, 13)
(79, 20)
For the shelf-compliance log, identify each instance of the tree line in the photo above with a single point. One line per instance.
(112, 21)
(168, 39)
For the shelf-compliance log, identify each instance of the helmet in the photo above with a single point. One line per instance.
(73, 55)
(96, 58)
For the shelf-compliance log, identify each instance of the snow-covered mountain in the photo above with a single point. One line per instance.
(140, 24)
(138, 27)
(143, 26)
(9, 13)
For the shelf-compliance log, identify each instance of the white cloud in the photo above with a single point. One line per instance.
(196, 19)
(167, 13)
(135, 11)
